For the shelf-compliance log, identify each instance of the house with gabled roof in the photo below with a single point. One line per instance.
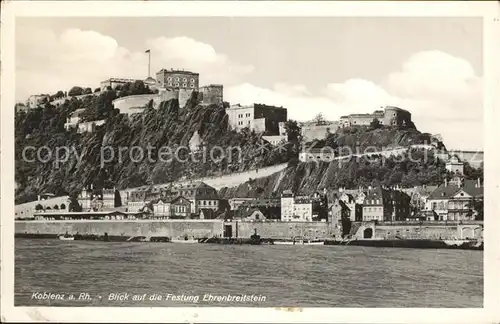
(178, 207)
(255, 214)
(454, 200)
(200, 194)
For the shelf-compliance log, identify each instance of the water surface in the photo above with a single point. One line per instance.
(299, 276)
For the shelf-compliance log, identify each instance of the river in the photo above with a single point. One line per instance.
(278, 276)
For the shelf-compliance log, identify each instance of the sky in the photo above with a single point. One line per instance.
(431, 67)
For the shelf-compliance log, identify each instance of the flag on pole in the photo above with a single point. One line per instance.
(147, 51)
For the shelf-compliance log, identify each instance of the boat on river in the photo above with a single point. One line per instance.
(66, 237)
(299, 242)
(184, 240)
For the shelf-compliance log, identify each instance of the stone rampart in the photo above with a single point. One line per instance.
(133, 104)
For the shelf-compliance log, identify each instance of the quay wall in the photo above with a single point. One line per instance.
(244, 229)
(417, 231)
(283, 230)
(170, 228)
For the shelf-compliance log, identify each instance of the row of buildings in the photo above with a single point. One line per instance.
(454, 200)
(261, 118)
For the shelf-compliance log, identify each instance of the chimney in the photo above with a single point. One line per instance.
(446, 182)
(38, 198)
(478, 182)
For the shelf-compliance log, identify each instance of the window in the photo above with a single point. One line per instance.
(184, 80)
(170, 83)
(177, 79)
(169, 78)
(192, 80)
(192, 86)
(177, 84)
(184, 85)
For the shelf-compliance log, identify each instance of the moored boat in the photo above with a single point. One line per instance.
(456, 242)
(315, 242)
(184, 240)
(66, 237)
(299, 242)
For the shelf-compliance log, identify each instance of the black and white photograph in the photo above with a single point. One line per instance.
(286, 162)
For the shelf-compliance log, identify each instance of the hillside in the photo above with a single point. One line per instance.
(168, 127)
(415, 168)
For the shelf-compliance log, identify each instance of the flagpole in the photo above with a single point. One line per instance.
(149, 63)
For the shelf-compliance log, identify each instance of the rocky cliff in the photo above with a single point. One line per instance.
(111, 155)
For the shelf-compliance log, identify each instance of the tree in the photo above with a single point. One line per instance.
(375, 124)
(87, 91)
(479, 208)
(74, 206)
(75, 91)
(97, 90)
(293, 131)
(319, 119)
(118, 199)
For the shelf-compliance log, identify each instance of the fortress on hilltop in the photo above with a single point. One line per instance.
(389, 116)
(170, 84)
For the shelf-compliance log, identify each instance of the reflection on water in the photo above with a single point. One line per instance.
(300, 276)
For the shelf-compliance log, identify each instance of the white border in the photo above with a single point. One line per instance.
(487, 10)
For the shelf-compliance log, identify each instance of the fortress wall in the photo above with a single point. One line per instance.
(165, 95)
(318, 132)
(184, 96)
(212, 94)
(129, 104)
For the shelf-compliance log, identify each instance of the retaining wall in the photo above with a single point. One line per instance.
(242, 229)
(170, 228)
(286, 230)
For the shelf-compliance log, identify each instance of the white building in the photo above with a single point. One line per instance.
(324, 154)
(99, 200)
(74, 119)
(295, 209)
(90, 126)
(162, 208)
(47, 201)
(257, 117)
(455, 165)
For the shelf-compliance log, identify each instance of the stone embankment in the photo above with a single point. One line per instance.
(245, 229)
